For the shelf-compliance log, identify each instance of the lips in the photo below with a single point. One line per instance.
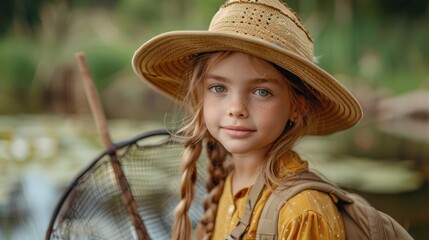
(238, 131)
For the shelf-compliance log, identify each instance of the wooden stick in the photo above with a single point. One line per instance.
(100, 120)
(94, 100)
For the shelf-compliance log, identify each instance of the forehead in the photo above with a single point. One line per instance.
(243, 66)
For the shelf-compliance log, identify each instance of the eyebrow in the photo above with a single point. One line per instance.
(253, 80)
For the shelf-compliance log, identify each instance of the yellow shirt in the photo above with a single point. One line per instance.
(308, 215)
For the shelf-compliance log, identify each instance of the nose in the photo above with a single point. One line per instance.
(238, 108)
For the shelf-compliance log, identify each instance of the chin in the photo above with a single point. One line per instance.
(236, 150)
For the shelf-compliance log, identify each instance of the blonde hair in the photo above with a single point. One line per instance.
(194, 133)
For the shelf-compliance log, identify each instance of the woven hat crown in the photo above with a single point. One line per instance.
(267, 20)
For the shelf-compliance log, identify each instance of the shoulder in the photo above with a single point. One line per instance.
(312, 213)
(310, 200)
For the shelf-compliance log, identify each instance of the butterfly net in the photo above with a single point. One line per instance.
(92, 207)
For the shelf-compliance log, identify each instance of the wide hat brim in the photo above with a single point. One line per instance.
(162, 61)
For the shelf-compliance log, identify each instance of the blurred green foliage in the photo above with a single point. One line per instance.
(18, 63)
(381, 44)
(105, 61)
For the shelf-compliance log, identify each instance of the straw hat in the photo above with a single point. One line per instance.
(267, 29)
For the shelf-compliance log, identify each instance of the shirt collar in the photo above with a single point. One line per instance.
(291, 163)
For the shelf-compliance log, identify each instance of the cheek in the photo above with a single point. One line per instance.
(274, 117)
(209, 112)
(206, 111)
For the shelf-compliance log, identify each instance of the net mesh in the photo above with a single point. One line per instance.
(92, 207)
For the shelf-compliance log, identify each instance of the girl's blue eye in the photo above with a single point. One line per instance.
(262, 92)
(217, 89)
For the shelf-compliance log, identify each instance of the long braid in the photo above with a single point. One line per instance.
(215, 183)
(194, 132)
(182, 227)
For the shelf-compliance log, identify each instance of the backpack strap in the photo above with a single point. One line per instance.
(268, 222)
(267, 226)
(255, 191)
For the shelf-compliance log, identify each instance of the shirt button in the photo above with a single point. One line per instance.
(231, 209)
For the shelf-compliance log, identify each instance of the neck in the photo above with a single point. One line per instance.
(247, 166)
(246, 170)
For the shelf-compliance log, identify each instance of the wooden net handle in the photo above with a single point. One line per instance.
(100, 121)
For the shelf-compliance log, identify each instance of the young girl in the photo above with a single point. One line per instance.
(253, 90)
